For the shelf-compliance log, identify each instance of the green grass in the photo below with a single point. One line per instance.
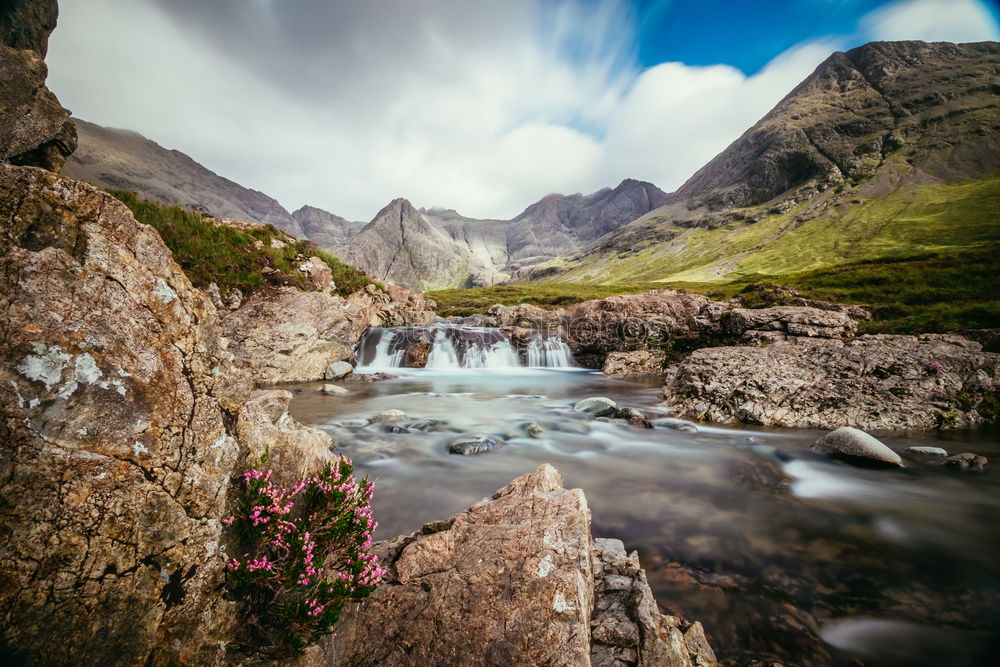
(235, 258)
(930, 293)
(912, 220)
(477, 300)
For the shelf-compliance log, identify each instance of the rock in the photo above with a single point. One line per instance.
(388, 416)
(338, 370)
(474, 443)
(318, 273)
(967, 461)
(597, 406)
(118, 406)
(294, 451)
(638, 362)
(676, 424)
(285, 335)
(746, 325)
(533, 429)
(639, 421)
(35, 130)
(368, 378)
(925, 452)
(212, 292)
(333, 389)
(423, 426)
(417, 353)
(872, 383)
(850, 443)
(515, 580)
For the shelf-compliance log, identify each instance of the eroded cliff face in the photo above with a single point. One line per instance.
(115, 395)
(34, 128)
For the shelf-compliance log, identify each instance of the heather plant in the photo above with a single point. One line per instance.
(303, 554)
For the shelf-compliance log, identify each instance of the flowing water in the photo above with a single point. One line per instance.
(782, 553)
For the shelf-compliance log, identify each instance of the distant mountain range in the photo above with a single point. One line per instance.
(888, 149)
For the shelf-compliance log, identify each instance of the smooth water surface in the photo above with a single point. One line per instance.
(782, 553)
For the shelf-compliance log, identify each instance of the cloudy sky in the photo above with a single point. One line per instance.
(480, 105)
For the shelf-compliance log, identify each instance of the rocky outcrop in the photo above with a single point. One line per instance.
(34, 128)
(666, 319)
(871, 383)
(285, 335)
(516, 579)
(638, 362)
(325, 229)
(115, 394)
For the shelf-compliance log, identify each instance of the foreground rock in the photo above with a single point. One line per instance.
(515, 580)
(967, 461)
(851, 444)
(116, 410)
(871, 383)
(34, 128)
(474, 443)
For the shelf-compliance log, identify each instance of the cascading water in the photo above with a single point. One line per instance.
(456, 347)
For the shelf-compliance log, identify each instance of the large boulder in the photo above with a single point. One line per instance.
(116, 405)
(515, 580)
(854, 445)
(34, 128)
(871, 383)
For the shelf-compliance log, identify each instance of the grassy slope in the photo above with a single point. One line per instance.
(228, 256)
(924, 258)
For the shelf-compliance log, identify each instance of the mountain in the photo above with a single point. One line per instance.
(888, 149)
(113, 158)
(323, 228)
(440, 248)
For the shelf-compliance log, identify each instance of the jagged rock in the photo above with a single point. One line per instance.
(474, 443)
(294, 451)
(515, 580)
(782, 322)
(638, 362)
(115, 394)
(967, 461)
(871, 383)
(598, 406)
(318, 273)
(338, 370)
(35, 129)
(926, 452)
(851, 444)
(417, 353)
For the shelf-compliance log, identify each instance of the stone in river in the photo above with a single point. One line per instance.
(474, 443)
(854, 445)
(598, 406)
(967, 461)
(926, 452)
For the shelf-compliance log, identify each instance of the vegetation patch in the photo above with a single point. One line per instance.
(303, 555)
(247, 257)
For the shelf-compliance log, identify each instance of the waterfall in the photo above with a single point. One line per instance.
(456, 347)
(549, 352)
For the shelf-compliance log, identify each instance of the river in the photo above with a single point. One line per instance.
(782, 553)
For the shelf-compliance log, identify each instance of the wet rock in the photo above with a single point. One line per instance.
(338, 370)
(631, 413)
(641, 422)
(474, 443)
(417, 353)
(333, 389)
(423, 426)
(851, 444)
(872, 383)
(388, 416)
(368, 378)
(597, 406)
(967, 461)
(533, 429)
(637, 362)
(676, 424)
(515, 580)
(926, 452)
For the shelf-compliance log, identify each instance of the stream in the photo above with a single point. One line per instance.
(782, 553)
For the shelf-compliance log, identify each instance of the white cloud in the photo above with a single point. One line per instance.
(932, 21)
(484, 107)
